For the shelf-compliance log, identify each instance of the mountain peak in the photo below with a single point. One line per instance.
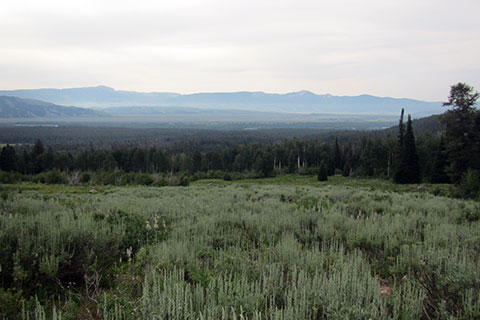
(300, 93)
(106, 88)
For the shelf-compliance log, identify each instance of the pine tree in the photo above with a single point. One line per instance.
(411, 155)
(8, 159)
(38, 149)
(346, 170)
(408, 168)
(338, 156)
(462, 131)
(440, 164)
(322, 172)
(196, 161)
(400, 142)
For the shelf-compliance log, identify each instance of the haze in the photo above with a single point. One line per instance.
(413, 49)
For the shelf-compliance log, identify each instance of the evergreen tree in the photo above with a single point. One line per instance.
(8, 159)
(196, 161)
(411, 155)
(38, 149)
(160, 162)
(408, 170)
(346, 170)
(338, 156)
(267, 164)
(439, 175)
(462, 131)
(399, 151)
(400, 141)
(322, 172)
(139, 161)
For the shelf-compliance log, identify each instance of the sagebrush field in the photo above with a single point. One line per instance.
(242, 250)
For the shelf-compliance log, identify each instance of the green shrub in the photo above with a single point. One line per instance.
(10, 177)
(55, 177)
(469, 186)
(143, 179)
(85, 177)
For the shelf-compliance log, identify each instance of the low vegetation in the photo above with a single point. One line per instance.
(280, 248)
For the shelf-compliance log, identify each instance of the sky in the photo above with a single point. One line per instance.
(406, 49)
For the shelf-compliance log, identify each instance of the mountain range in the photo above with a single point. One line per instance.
(295, 102)
(13, 107)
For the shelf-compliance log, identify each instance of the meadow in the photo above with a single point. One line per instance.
(279, 248)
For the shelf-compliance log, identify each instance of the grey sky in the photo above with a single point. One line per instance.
(409, 48)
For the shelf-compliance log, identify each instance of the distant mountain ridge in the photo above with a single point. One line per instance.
(294, 102)
(13, 107)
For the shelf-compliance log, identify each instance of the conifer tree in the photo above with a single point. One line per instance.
(196, 161)
(408, 168)
(439, 174)
(322, 172)
(338, 156)
(346, 170)
(399, 150)
(412, 166)
(462, 131)
(8, 159)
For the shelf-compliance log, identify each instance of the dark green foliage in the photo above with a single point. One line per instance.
(38, 149)
(346, 170)
(85, 177)
(439, 174)
(462, 131)
(135, 233)
(10, 177)
(322, 172)
(462, 96)
(139, 161)
(266, 164)
(196, 161)
(338, 158)
(469, 186)
(400, 141)
(408, 169)
(412, 169)
(374, 157)
(8, 159)
(55, 177)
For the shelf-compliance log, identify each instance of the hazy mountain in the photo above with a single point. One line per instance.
(13, 107)
(301, 102)
(149, 110)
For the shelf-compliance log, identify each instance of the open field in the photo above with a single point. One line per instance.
(280, 248)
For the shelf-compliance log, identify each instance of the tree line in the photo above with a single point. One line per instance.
(437, 158)
(371, 158)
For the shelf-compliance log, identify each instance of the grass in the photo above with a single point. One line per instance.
(372, 184)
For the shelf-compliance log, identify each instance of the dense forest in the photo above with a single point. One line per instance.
(429, 155)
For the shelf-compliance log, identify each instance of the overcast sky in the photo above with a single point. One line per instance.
(399, 48)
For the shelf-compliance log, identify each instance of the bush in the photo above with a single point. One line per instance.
(85, 177)
(55, 177)
(143, 179)
(161, 182)
(469, 186)
(322, 172)
(10, 177)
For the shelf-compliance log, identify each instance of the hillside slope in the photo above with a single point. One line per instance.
(13, 107)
